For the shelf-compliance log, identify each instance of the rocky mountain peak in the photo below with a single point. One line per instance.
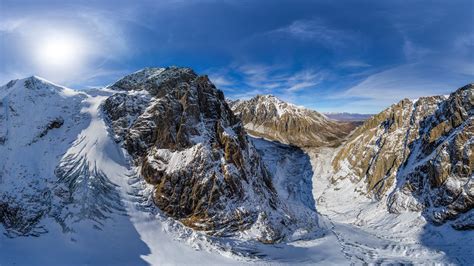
(277, 108)
(269, 98)
(152, 79)
(269, 117)
(467, 87)
(417, 155)
(31, 83)
(191, 147)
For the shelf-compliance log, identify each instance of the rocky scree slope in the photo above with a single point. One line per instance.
(188, 144)
(417, 156)
(269, 117)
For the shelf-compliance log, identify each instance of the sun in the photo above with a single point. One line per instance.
(60, 52)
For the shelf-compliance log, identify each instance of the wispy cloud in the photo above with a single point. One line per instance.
(317, 30)
(280, 78)
(304, 79)
(248, 80)
(9, 25)
(414, 52)
(412, 81)
(221, 80)
(353, 64)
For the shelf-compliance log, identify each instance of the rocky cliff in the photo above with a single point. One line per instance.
(61, 161)
(419, 156)
(189, 145)
(267, 116)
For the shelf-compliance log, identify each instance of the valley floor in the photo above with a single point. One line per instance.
(368, 233)
(351, 227)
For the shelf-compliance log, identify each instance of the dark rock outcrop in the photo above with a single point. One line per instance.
(191, 147)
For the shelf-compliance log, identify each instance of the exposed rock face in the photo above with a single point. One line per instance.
(126, 109)
(419, 156)
(268, 117)
(59, 162)
(191, 147)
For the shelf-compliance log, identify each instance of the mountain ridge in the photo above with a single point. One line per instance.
(417, 155)
(269, 117)
(177, 140)
(158, 159)
(346, 116)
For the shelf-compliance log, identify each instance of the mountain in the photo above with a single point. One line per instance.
(189, 145)
(157, 155)
(157, 169)
(269, 117)
(39, 121)
(417, 156)
(178, 135)
(344, 116)
(68, 195)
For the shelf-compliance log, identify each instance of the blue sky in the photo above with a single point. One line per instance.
(356, 56)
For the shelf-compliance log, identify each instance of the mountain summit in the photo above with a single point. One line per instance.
(269, 117)
(189, 145)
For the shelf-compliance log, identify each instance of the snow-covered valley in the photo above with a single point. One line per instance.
(76, 197)
(367, 233)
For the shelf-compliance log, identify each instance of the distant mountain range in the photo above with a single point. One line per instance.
(344, 116)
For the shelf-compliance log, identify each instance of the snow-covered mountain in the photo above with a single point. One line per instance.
(269, 117)
(180, 134)
(144, 164)
(69, 194)
(186, 142)
(157, 169)
(39, 122)
(417, 156)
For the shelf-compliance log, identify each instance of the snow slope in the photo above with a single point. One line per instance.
(368, 233)
(132, 233)
(99, 211)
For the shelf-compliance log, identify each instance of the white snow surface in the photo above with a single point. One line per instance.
(368, 233)
(347, 227)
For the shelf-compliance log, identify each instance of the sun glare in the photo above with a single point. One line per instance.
(60, 52)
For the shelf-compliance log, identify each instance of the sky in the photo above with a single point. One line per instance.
(331, 56)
